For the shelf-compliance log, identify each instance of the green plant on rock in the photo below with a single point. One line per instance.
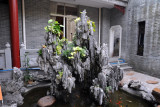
(26, 62)
(75, 50)
(40, 52)
(60, 74)
(72, 50)
(58, 49)
(54, 42)
(62, 41)
(81, 50)
(88, 22)
(93, 25)
(60, 45)
(54, 27)
(27, 77)
(108, 89)
(67, 53)
(74, 39)
(83, 53)
(77, 19)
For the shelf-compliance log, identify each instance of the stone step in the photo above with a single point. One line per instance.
(125, 67)
(124, 64)
(114, 59)
(121, 64)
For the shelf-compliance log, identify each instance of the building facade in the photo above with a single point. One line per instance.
(131, 28)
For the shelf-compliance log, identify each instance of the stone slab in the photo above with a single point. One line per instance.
(46, 101)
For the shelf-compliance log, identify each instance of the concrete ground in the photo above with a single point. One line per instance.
(149, 82)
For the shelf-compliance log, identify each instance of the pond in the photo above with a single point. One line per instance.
(118, 99)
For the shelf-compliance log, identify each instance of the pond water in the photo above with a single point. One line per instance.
(118, 99)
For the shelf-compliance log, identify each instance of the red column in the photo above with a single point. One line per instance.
(13, 6)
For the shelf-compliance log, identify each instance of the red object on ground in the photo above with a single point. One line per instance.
(120, 8)
(13, 7)
(1, 97)
(119, 102)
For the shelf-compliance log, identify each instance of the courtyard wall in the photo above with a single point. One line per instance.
(137, 11)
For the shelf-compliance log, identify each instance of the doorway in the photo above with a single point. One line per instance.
(115, 41)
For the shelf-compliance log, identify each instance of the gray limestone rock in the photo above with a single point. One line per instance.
(93, 67)
(86, 64)
(98, 93)
(137, 85)
(84, 22)
(40, 62)
(109, 76)
(80, 72)
(95, 91)
(104, 55)
(148, 96)
(16, 97)
(70, 83)
(102, 79)
(91, 28)
(17, 74)
(44, 54)
(12, 89)
(101, 96)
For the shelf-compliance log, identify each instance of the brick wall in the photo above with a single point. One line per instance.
(105, 25)
(37, 16)
(5, 23)
(143, 10)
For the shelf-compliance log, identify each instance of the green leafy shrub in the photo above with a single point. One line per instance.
(77, 49)
(108, 89)
(60, 74)
(27, 78)
(40, 52)
(54, 27)
(81, 50)
(66, 53)
(77, 19)
(60, 45)
(71, 50)
(93, 25)
(58, 49)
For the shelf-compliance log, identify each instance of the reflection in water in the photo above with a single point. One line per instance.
(118, 99)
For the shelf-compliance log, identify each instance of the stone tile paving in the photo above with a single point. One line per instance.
(141, 85)
(143, 78)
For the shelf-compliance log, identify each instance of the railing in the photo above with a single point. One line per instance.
(32, 54)
(5, 58)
